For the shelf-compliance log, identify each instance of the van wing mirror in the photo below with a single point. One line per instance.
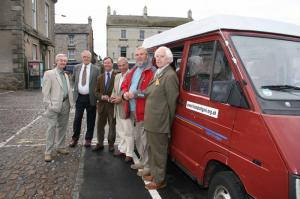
(229, 92)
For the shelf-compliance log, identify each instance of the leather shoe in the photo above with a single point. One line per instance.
(111, 148)
(128, 159)
(144, 172)
(148, 178)
(87, 143)
(98, 147)
(118, 153)
(73, 143)
(48, 158)
(153, 185)
(62, 151)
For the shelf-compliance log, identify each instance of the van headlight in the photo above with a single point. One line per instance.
(294, 187)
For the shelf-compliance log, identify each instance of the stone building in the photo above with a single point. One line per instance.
(72, 39)
(126, 32)
(27, 41)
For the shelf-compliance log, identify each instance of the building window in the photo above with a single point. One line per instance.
(71, 54)
(142, 34)
(123, 34)
(123, 52)
(71, 40)
(47, 19)
(34, 52)
(34, 25)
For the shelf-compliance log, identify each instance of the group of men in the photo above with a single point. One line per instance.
(139, 104)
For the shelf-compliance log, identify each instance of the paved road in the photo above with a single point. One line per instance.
(82, 174)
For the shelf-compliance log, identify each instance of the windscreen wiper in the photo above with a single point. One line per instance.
(281, 87)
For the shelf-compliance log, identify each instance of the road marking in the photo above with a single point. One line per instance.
(20, 131)
(22, 145)
(7, 92)
(154, 193)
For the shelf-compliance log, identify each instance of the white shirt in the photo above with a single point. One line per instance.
(84, 90)
(122, 79)
(158, 71)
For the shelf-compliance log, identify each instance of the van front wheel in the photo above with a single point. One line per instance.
(226, 185)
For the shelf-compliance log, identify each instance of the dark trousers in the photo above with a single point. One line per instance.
(83, 102)
(106, 116)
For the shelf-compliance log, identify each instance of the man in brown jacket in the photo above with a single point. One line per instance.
(161, 96)
(105, 108)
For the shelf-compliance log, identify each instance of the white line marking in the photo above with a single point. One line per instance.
(20, 131)
(154, 193)
(7, 92)
(22, 145)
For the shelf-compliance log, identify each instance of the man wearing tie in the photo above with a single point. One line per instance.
(84, 79)
(58, 100)
(105, 108)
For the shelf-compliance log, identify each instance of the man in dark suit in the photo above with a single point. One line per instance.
(84, 78)
(105, 108)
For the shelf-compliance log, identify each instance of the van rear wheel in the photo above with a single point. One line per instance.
(226, 185)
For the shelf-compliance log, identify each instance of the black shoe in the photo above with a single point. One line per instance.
(98, 147)
(111, 148)
(73, 143)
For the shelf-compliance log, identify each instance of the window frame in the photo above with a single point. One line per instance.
(123, 47)
(142, 35)
(73, 54)
(123, 34)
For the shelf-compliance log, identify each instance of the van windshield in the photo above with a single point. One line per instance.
(273, 66)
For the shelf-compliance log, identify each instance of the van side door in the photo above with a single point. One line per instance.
(201, 126)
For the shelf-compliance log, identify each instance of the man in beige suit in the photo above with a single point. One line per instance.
(161, 96)
(58, 100)
(123, 124)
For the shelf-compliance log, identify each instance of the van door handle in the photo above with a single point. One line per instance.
(180, 101)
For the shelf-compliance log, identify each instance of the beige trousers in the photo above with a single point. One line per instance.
(57, 127)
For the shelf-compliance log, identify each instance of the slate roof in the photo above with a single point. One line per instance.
(72, 28)
(144, 21)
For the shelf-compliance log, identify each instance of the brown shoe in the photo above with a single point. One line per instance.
(118, 153)
(98, 147)
(128, 159)
(148, 178)
(87, 143)
(111, 148)
(73, 143)
(153, 185)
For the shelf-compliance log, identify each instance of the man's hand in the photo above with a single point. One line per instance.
(105, 98)
(116, 100)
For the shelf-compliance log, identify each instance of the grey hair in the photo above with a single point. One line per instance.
(122, 59)
(59, 56)
(141, 48)
(168, 52)
(88, 52)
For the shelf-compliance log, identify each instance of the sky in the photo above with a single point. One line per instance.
(76, 11)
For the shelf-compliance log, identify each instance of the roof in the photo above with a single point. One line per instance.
(145, 21)
(220, 22)
(72, 28)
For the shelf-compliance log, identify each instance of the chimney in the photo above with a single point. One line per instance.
(108, 10)
(190, 14)
(90, 20)
(145, 11)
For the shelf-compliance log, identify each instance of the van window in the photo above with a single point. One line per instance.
(177, 56)
(198, 68)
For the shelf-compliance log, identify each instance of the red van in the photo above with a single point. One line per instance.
(237, 125)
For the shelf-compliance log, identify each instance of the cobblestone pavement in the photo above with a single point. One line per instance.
(23, 172)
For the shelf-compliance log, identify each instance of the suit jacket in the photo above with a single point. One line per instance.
(94, 73)
(100, 90)
(161, 97)
(53, 90)
(119, 108)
